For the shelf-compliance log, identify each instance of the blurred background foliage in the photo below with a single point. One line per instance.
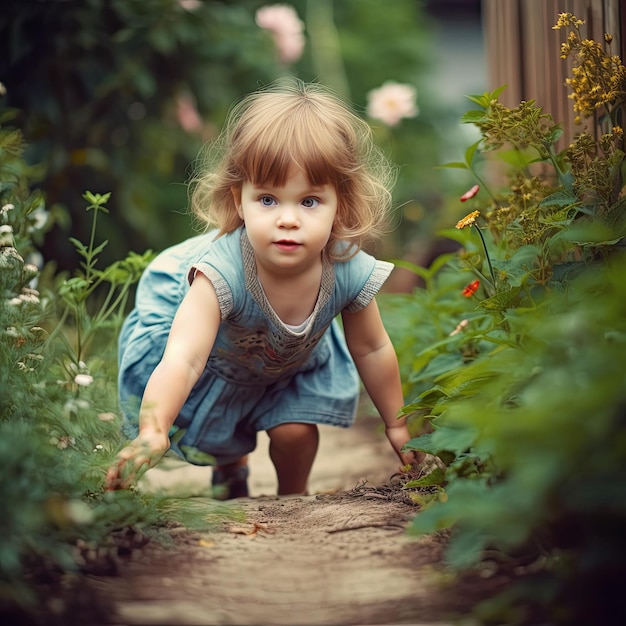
(119, 95)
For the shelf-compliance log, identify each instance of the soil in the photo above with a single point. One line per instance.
(340, 556)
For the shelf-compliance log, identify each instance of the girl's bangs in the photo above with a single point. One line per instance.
(272, 156)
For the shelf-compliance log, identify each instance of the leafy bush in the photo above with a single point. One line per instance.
(59, 418)
(524, 392)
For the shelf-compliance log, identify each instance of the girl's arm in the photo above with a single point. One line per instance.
(376, 361)
(188, 347)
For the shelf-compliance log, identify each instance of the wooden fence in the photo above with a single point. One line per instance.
(523, 51)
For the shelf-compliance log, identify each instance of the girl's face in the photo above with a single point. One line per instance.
(287, 226)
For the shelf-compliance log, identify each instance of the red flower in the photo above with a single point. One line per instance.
(471, 289)
(470, 193)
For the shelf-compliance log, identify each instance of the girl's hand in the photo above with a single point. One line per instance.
(137, 457)
(398, 436)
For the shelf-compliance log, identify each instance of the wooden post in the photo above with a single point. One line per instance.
(524, 52)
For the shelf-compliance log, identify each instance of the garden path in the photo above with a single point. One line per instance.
(340, 556)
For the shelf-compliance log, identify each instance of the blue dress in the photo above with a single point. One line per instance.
(260, 372)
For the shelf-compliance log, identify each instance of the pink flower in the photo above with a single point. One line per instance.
(190, 5)
(282, 21)
(392, 102)
(187, 114)
(470, 193)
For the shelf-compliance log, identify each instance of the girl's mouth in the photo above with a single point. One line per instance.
(287, 246)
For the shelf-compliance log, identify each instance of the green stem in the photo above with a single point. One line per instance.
(108, 308)
(493, 276)
(92, 239)
(484, 186)
(325, 46)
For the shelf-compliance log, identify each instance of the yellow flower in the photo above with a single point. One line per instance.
(567, 19)
(468, 220)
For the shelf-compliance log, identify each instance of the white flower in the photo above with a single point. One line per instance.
(41, 219)
(392, 102)
(79, 512)
(84, 380)
(282, 21)
(31, 296)
(6, 208)
(35, 258)
(5, 229)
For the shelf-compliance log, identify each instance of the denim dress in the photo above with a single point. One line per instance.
(261, 372)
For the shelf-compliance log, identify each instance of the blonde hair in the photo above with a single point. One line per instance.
(303, 124)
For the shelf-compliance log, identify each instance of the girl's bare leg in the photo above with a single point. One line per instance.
(293, 447)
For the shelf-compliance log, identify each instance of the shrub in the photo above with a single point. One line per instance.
(525, 391)
(59, 418)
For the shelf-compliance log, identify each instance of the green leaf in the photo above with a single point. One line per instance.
(435, 478)
(427, 399)
(454, 439)
(559, 198)
(100, 248)
(429, 272)
(470, 152)
(473, 116)
(412, 267)
(440, 364)
(480, 100)
(501, 301)
(518, 159)
(459, 165)
(97, 200)
(466, 547)
(590, 233)
(79, 245)
(423, 443)
(438, 516)
(487, 98)
(556, 134)
(441, 261)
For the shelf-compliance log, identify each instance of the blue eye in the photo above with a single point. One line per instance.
(310, 203)
(267, 200)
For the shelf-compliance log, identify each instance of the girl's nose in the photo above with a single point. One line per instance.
(288, 217)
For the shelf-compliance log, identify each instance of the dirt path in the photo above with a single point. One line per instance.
(338, 557)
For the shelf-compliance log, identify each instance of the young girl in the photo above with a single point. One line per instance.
(234, 331)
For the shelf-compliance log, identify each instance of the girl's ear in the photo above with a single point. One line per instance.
(236, 191)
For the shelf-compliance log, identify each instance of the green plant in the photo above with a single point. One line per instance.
(118, 278)
(59, 416)
(524, 393)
